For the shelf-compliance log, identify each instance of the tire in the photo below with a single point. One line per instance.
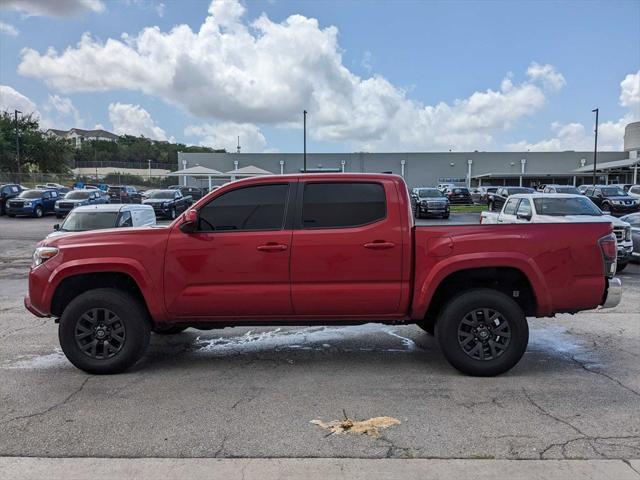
(38, 212)
(445, 216)
(169, 330)
(621, 266)
(497, 353)
(172, 213)
(132, 324)
(606, 208)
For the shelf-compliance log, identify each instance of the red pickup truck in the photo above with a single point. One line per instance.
(317, 249)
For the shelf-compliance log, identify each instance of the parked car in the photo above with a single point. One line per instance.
(102, 216)
(124, 194)
(459, 196)
(338, 248)
(583, 188)
(8, 191)
(168, 203)
(77, 198)
(194, 192)
(429, 201)
(495, 201)
(612, 199)
(144, 194)
(479, 195)
(443, 186)
(32, 203)
(633, 220)
(634, 191)
(561, 189)
(562, 208)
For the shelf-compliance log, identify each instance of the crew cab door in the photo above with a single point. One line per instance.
(49, 200)
(346, 255)
(508, 213)
(236, 264)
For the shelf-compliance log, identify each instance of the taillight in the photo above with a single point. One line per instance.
(609, 250)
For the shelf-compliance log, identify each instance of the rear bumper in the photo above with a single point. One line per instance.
(613, 295)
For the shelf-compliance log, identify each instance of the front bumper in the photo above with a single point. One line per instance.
(20, 210)
(624, 254)
(434, 209)
(613, 295)
(623, 209)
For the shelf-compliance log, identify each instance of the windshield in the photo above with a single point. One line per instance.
(77, 195)
(31, 194)
(168, 194)
(462, 191)
(81, 221)
(429, 192)
(566, 206)
(613, 192)
(567, 190)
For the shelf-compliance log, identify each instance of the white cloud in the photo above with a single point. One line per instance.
(574, 136)
(54, 8)
(160, 7)
(11, 99)
(547, 74)
(8, 29)
(267, 72)
(630, 90)
(60, 113)
(134, 120)
(225, 135)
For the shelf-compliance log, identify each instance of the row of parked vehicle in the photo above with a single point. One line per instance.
(52, 198)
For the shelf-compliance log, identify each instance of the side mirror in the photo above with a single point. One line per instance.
(190, 221)
(56, 227)
(524, 216)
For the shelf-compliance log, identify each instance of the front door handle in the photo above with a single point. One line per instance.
(379, 245)
(272, 247)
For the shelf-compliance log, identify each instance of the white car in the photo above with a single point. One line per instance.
(634, 191)
(98, 217)
(561, 208)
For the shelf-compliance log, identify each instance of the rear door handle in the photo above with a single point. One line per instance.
(272, 247)
(379, 245)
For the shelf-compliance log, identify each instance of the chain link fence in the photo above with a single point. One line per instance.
(32, 180)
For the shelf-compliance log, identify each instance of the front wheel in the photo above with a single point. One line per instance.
(38, 213)
(482, 332)
(172, 213)
(606, 208)
(104, 331)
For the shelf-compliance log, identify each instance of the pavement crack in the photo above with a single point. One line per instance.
(631, 466)
(64, 401)
(596, 372)
(550, 415)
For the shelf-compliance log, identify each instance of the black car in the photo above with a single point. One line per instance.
(168, 203)
(429, 201)
(7, 191)
(495, 201)
(123, 194)
(613, 199)
(459, 195)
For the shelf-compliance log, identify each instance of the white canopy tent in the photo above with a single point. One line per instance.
(248, 171)
(197, 171)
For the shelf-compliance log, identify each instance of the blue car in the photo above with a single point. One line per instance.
(32, 203)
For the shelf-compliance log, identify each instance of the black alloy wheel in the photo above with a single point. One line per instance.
(484, 334)
(99, 333)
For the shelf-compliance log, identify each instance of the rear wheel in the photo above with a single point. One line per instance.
(104, 331)
(482, 332)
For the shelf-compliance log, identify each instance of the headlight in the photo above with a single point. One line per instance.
(42, 254)
(627, 233)
(28, 204)
(57, 203)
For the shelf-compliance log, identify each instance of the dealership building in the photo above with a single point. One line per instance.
(431, 168)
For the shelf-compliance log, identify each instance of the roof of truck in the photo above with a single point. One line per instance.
(112, 207)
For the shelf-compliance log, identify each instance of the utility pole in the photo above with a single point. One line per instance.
(304, 116)
(149, 161)
(238, 147)
(595, 147)
(15, 113)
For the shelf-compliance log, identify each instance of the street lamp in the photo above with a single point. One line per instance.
(595, 147)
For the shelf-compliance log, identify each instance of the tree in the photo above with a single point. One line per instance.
(38, 152)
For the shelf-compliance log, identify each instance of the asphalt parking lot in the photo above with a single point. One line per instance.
(252, 392)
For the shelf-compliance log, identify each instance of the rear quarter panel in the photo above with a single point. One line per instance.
(562, 261)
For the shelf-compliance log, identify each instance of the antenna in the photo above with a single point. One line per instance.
(239, 144)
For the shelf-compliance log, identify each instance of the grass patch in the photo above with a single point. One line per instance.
(468, 208)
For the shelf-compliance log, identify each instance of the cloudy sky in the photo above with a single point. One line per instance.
(373, 75)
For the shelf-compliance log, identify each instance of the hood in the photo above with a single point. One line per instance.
(74, 200)
(623, 197)
(156, 200)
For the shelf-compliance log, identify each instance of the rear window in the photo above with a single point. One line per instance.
(566, 206)
(343, 204)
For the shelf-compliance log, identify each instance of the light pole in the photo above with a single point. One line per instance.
(149, 161)
(595, 147)
(304, 121)
(15, 116)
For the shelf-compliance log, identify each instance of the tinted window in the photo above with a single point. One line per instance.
(253, 208)
(566, 190)
(429, 192)
(589, 192)
(125, 219)
(77, 195)
(327, 205)
(566, 206)
(613, 192)
(510, 206)
(167, 194)
(81, 221)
